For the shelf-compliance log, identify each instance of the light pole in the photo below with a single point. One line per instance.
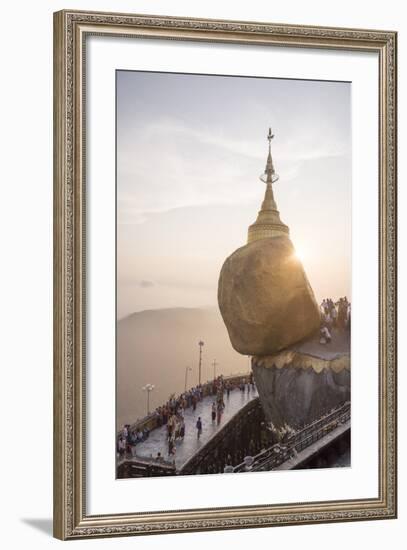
(214, 365)
(249, 363)
(186, 376)
(148, 388)
(200, 344)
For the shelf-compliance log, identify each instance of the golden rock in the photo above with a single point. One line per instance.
(265, 299)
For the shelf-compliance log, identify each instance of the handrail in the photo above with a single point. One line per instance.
(146, 460)
(280, 452)
(142, 468)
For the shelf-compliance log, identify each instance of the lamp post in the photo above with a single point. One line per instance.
(200, 344)
(148, 388)
(214, 365)
(186, 376)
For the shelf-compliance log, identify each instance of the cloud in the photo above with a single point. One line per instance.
(165, 164)
(190, 151)
(146, 284)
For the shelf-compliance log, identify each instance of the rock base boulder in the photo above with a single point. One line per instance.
(297, 387)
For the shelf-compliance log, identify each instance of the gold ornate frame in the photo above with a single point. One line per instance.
(70, 31)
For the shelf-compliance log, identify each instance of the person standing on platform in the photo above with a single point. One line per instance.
(213, 412)
(121, 446)
(199, 427)
(182, 429)
(171, 444)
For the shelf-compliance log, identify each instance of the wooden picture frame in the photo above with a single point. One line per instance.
(71, 29)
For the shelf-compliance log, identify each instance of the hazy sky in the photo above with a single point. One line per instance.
(190, 149)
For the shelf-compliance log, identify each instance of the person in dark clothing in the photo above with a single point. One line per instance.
(199, 427)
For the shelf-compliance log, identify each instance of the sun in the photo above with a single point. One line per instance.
(300, 254)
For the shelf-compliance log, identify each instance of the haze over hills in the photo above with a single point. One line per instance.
(155, 346)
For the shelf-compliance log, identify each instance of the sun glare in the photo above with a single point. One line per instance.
(300, 254)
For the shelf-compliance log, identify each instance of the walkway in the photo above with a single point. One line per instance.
(185, 449)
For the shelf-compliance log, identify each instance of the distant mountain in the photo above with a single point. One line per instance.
(155, 346)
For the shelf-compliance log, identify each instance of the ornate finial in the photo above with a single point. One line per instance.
(268, 223)
(269, 175)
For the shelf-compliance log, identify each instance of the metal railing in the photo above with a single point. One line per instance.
(278, 453)
(143, 467)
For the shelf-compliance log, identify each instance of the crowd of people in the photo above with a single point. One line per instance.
(334, 315)
(171, 414)
(129, 438)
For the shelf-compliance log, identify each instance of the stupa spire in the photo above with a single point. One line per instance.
(268, 223)
(269, 175)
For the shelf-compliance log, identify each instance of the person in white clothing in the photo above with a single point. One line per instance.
(325, 336)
